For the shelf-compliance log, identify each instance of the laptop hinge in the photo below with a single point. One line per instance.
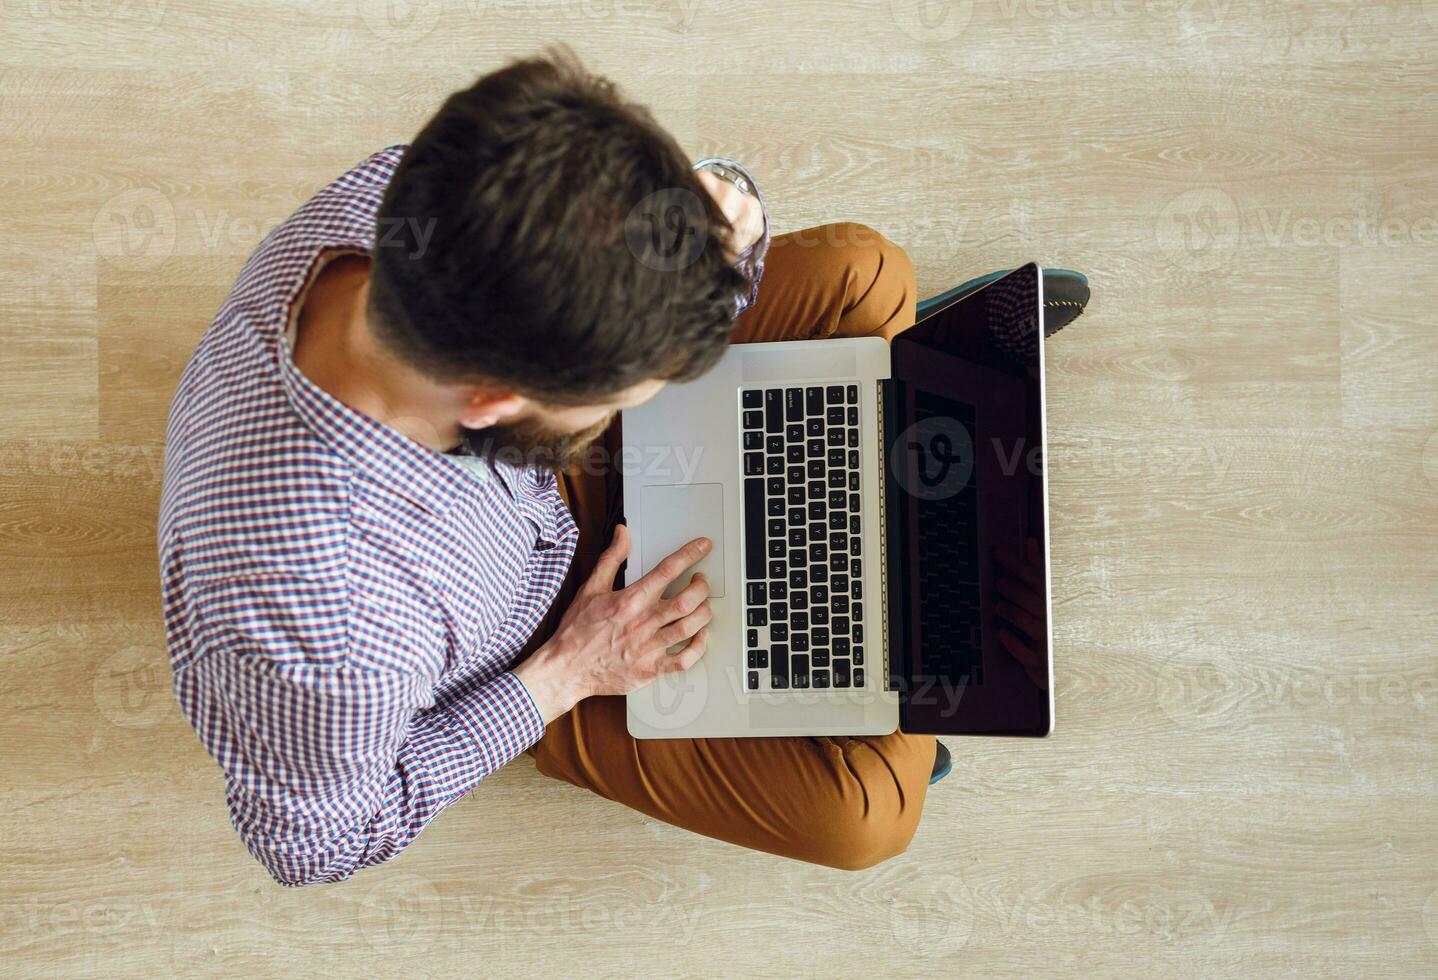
(882, 390)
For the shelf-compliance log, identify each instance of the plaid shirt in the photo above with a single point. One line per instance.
(342, 605)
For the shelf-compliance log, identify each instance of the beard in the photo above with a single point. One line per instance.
(531, 443)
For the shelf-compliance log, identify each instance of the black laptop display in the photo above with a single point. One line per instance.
(964, 467)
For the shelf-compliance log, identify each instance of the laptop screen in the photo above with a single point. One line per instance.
(966, 534)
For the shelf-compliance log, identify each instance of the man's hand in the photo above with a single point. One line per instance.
(1022, 608)
(613, 642)
(746, 216)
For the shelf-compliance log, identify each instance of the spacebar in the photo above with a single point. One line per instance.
(754, 529)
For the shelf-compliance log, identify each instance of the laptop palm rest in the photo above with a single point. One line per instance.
(671, 517)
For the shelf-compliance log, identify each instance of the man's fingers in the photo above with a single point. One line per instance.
(682, 629)
(672, 567)
(1019, 594)
(693, 650)
(1022, 618)
(601, 579)
(686, 601)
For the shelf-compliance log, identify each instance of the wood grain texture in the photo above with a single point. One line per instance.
(1244, 465)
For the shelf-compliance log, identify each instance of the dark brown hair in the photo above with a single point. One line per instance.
(522, 240)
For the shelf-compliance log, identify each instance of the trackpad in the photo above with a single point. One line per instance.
(671, 517)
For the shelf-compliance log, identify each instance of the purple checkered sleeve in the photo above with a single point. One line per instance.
(343, 606)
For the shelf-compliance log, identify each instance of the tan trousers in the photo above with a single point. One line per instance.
(838, 801)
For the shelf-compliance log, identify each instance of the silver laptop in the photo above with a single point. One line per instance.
(855, 493)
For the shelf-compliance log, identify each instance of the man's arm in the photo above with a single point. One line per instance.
(739, 198)
(330, 768)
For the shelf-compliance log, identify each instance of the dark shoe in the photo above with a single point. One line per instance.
(1066, 294)
(943, 762)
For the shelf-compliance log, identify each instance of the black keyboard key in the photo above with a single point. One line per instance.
(840, 672)
(815, 448)
(814, 400)
(858, 656)
(758, 617)
(794, 475)
(798, 578)
(819, 635)
(793, 432)
(777, 611)
(776, 550)
(819, 594)
(835, 415)
(753, 420)
(856, 568)
(818, 551)
(820, 656)
(757, 593)
(795, 494)
(799, 620)
(777, 632)
(840, 624)
(839, 541)
(777, 569)
(837, 562)
(858, 677)
(778, 590)
(796, 557)
(819, 678)
(753, 659)
(840, 604)
(774, 467)
(834, 393)
(799, 600)
(853, 439)
(814, 427)
(799, 642)
(799, 671)
(796, 514)
(854, 524)
(837, 521)
(841, 646)
(773, 410)
(753, 680)
(836, 457)
(836, 479)
(819, 573)
(774, 444)
(754, 528)
(752, 399)
(816, 491)
(854, 546)
(856, 611)
(857, 589)
(763, 659)
(776, 527)
(853, 459)
(797, 537)
(774, 485)
(836, 499)
(858, 634)
(852, 417)
(840, 584)
(854, 502)
(853, 481)
(816, 532)
(753, 440)
(835, 437)
(779, 667)
(853, 394)
(817, 510)
(819, 615)
(793, 405)
(753, 464)
(775, 507)
(815, 469)
(794, 454)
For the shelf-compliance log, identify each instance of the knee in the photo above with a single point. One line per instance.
(859, 841)
(877, 277)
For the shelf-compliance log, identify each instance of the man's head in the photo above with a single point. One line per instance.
(507, 259)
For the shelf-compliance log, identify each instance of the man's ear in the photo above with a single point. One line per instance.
(486, 407)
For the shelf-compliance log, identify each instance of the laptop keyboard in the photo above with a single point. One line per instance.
(950, 636)
(803, 561)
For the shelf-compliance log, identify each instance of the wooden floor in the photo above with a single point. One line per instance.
(1244, 471)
